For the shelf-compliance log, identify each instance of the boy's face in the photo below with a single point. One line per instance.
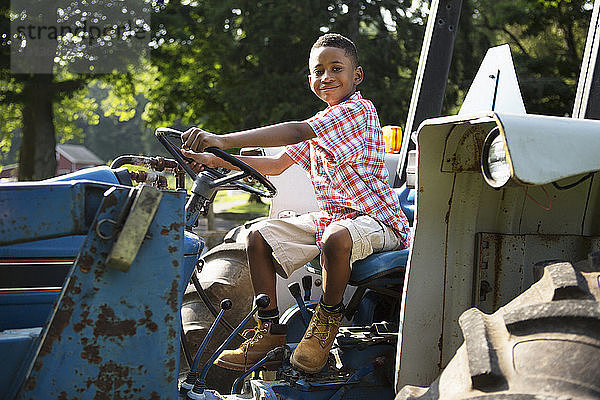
(333, 77)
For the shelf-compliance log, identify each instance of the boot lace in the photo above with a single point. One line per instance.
(253, 335)
(323, 326)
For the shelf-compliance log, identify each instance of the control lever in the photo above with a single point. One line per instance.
(276, 353)
(307, 286)
(197, 392)
(294, 289)
(192, 375)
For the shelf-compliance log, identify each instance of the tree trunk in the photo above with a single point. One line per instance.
(37, 155)
(354, 12)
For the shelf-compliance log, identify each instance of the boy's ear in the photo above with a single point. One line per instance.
(358, 75)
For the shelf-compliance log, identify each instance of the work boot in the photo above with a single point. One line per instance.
(313, 350)
(266, 336)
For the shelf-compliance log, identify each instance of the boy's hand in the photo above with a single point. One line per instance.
(197, 139)
(201, 160)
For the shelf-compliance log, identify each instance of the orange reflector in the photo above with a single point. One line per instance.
(392, 135)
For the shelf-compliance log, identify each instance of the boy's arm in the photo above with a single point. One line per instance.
(266, 165)
(269, 136)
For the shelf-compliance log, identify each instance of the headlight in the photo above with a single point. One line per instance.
(494, 162)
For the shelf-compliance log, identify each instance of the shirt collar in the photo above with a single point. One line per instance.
(354, 96)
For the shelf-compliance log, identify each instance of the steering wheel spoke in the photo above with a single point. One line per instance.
(230, 178)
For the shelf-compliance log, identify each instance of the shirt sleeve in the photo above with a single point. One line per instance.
(300, 154)
(340, 131)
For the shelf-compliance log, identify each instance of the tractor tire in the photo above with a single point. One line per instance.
(544, 344)
(225, 274)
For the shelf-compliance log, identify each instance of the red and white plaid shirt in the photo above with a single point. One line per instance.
(346, 167)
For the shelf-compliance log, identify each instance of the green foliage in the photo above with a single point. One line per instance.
(72, 113)
(112, 136)
(238, 64)
(547, 39)
(241, 64)
(11, 119)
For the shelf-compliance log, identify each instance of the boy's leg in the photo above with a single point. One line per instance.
(313, 350)
(344, 242)
(269, 333)
(262, 268)
(336, 248)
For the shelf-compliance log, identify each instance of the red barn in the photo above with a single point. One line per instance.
(73, 157)
(9, 173)
(69, 158)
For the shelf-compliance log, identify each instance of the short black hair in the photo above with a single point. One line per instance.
(339, 41)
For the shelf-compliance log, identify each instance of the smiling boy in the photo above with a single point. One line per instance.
(342, 150)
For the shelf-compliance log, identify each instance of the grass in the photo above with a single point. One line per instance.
(240, 203)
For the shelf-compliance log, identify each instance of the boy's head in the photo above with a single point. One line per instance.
(341, 42)
(334, 69)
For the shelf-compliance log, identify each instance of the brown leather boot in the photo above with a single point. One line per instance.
(312, 351)
(266, 336)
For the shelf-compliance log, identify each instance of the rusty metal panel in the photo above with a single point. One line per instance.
(115, 334)
(462, 150)
(506, 263)
(19, 223)
(135, 227)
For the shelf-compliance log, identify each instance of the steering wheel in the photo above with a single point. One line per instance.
(219, 180)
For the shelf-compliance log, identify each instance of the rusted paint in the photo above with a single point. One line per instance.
(175, 226)
(175, 263)
(172, 333)
(150, 325)
(108, 325)
(172, 298)
(30, 383)
(78, 327)
(110, 200)
(112, 379)
(85, 263)
(59, 323)
(99, 270)
(172, 249)
(464, 153)
(154, 396)
(91, 352)
(496, 290)
(38, 365)
(171, 365)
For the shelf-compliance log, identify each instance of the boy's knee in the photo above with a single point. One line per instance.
(336, 241)
(255, 240)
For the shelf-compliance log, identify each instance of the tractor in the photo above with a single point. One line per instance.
(497, 298)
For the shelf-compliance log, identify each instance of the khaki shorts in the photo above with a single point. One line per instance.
(293, 239)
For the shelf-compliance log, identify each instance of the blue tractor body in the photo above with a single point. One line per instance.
(104, 330)
(73, 325)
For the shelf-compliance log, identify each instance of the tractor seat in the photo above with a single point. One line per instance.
(379, 265)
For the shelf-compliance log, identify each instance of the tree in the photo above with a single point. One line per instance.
(41, 83)
(240, 64)
(546, 37)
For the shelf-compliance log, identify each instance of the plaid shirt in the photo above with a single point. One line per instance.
(346, 167)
